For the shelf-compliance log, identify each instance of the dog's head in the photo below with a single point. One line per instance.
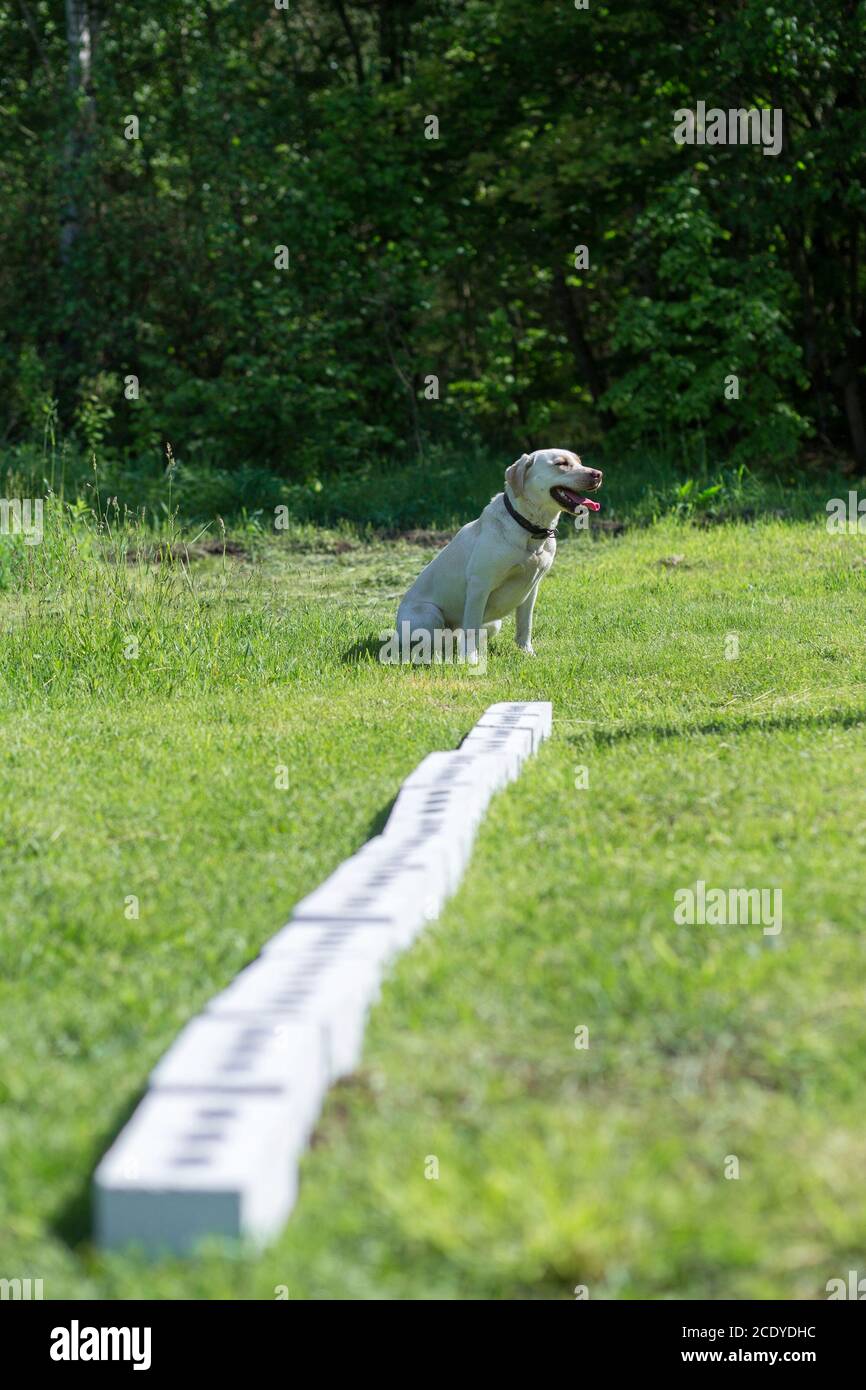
(557, 474)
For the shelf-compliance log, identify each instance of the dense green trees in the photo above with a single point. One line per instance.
(150, 264)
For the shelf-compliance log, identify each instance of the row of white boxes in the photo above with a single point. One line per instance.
(214, 1147)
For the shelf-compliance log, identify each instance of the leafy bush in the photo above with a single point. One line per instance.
(713, 319)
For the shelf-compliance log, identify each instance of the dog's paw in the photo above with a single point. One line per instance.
(527, 648)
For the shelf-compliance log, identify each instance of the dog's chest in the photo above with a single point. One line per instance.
(519, 580)
(536, 561)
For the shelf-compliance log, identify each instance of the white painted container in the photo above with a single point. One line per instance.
(193, 1164)
(435, 825)
(512, 746)
(336, 941)
(534, 715)
(441, 838)
(378, 885)
(249, 1054)
(282, 991)
(463, 766)
(462, 806)
(456, 768)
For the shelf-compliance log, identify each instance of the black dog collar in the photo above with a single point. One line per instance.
(528, 525)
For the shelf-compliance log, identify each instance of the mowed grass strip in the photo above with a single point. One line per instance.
(154, 778)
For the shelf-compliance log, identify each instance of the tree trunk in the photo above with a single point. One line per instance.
(389, 40)
(79, 39)
(579, 344)
(854, 415)
(355, 46)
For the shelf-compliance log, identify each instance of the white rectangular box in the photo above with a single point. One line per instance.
(457, 768)
(440, 838)
(332, 997)
(249, 1055)
(190, 1165)
(454, 814)
(379, 884)
(534, 715)
(336, 941)
(542, 710)
(415, 846)
(512, 746)
(461, 803)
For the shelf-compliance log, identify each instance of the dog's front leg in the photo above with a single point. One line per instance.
(477, 594)
(523, 621)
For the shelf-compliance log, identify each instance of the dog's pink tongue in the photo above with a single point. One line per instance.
(588, 502)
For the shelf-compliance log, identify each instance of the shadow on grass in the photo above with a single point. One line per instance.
(842, 719)
(73, 1222)
(364, 651)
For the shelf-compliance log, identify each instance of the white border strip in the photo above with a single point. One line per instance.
(214, 1147)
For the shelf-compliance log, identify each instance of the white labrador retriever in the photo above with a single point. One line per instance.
(495, 563)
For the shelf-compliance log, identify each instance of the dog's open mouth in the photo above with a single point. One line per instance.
(572, 500)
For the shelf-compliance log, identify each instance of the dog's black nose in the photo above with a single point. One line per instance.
(596, 475)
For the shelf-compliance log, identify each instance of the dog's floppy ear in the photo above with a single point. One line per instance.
(515, 476)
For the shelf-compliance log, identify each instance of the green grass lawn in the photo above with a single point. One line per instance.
(154, 777)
